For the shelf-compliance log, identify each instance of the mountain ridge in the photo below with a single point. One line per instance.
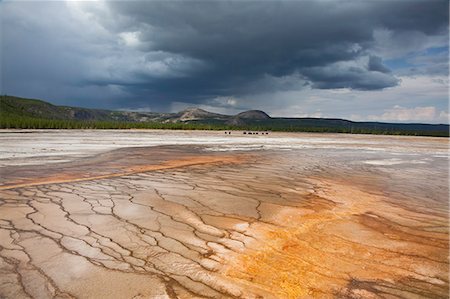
(40, 108)
(16, 112)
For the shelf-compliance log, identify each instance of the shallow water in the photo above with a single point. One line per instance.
(31, 147)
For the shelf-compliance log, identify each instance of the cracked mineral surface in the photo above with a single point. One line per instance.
(156, 214)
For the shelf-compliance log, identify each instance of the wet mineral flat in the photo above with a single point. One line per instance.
(184, 214)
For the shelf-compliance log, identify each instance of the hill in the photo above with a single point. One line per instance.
(18, 112)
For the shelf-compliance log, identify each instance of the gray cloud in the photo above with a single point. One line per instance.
(376, 65)
(153, 53)
(426, 64)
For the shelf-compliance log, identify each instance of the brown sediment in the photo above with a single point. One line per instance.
(115, 163)
(71, 177)
(181, 223)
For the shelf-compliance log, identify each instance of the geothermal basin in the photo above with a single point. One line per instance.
(194, 214)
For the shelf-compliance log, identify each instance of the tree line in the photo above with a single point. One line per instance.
(21, 122)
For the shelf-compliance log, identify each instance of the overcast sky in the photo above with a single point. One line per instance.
(359, 60)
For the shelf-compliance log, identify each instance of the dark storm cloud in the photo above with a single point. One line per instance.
(163, 51)
(241, 42)
(351, 77)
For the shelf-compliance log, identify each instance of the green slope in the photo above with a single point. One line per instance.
(39, 109)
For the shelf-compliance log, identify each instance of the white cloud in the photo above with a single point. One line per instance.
(130, 39)
(224, 101)
(403, 114)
